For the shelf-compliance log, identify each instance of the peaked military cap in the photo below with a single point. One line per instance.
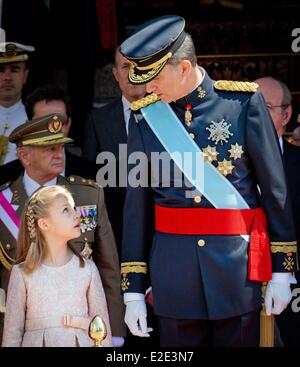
(151, 45)
(42, 131)
(13, 52)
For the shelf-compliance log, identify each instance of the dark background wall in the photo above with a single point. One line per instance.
(74, 41)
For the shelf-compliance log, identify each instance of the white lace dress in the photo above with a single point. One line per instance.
(36, 305)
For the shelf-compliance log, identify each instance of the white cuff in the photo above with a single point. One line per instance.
(131, 296)
(284, 278)
(148, 291)
(118, 341)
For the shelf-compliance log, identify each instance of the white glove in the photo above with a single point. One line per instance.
(278, 296)
(118, 341)
(135, 313)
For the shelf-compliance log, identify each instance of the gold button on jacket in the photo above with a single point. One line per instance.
(201, 243)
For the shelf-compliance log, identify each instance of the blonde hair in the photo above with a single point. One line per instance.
(31, 245)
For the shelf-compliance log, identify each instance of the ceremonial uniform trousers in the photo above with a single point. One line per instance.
(204, 276)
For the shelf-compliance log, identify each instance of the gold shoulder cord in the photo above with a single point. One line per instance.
(235, 86)
(144, 102)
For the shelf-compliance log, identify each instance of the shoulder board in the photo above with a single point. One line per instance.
(234, 86)
(144, 102)
(81, 181)
(4, 186)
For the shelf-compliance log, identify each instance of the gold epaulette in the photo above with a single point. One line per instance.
(234, 86)
(144, 102)
(79, 180)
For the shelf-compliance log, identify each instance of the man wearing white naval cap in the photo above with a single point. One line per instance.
(13, 76)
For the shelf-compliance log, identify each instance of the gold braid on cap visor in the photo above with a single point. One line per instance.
(155, 68)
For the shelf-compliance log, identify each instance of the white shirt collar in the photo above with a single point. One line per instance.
(31, 186)
(12, 108)
(281, 144)
(126, 111)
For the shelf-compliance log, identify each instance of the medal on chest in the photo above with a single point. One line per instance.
(88, 215)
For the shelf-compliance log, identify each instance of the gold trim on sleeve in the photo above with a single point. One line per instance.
(284, 243)
(134, 267)
(131, 267)
(283, 249)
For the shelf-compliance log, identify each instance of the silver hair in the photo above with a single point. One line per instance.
(185, 52)
(287, 97)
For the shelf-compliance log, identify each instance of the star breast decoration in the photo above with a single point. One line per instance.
(219, 131)
(225, 167)
(210, 154)
(236, 151)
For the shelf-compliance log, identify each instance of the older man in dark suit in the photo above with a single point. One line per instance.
(278, 100)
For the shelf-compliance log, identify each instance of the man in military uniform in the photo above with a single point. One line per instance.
(210, 248)
(40, 149)
(43, 101)
(13, 76)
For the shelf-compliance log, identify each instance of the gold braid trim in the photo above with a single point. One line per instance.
(16, 58)
(6, 254)
(144, 102)
(4, 262)
(43, 139)
(131, 267)
(234, 86)
(134, 267)
(284, 243)
(155, 64)
(283, 249)
(145, 77)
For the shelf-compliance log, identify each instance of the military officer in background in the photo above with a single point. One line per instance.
(13, 76)
(209, 243)
(40, 146)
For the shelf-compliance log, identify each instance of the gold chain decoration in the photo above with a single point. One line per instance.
(4, 262)
(235, 86)
(143, 102)
(6, 254)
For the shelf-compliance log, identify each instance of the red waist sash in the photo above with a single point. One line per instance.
(207, 221)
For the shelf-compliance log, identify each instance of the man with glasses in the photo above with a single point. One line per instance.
(278, 100)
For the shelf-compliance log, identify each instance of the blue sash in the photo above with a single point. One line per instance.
(177, 142)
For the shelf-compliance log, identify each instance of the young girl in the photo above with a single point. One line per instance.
(53, 292)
